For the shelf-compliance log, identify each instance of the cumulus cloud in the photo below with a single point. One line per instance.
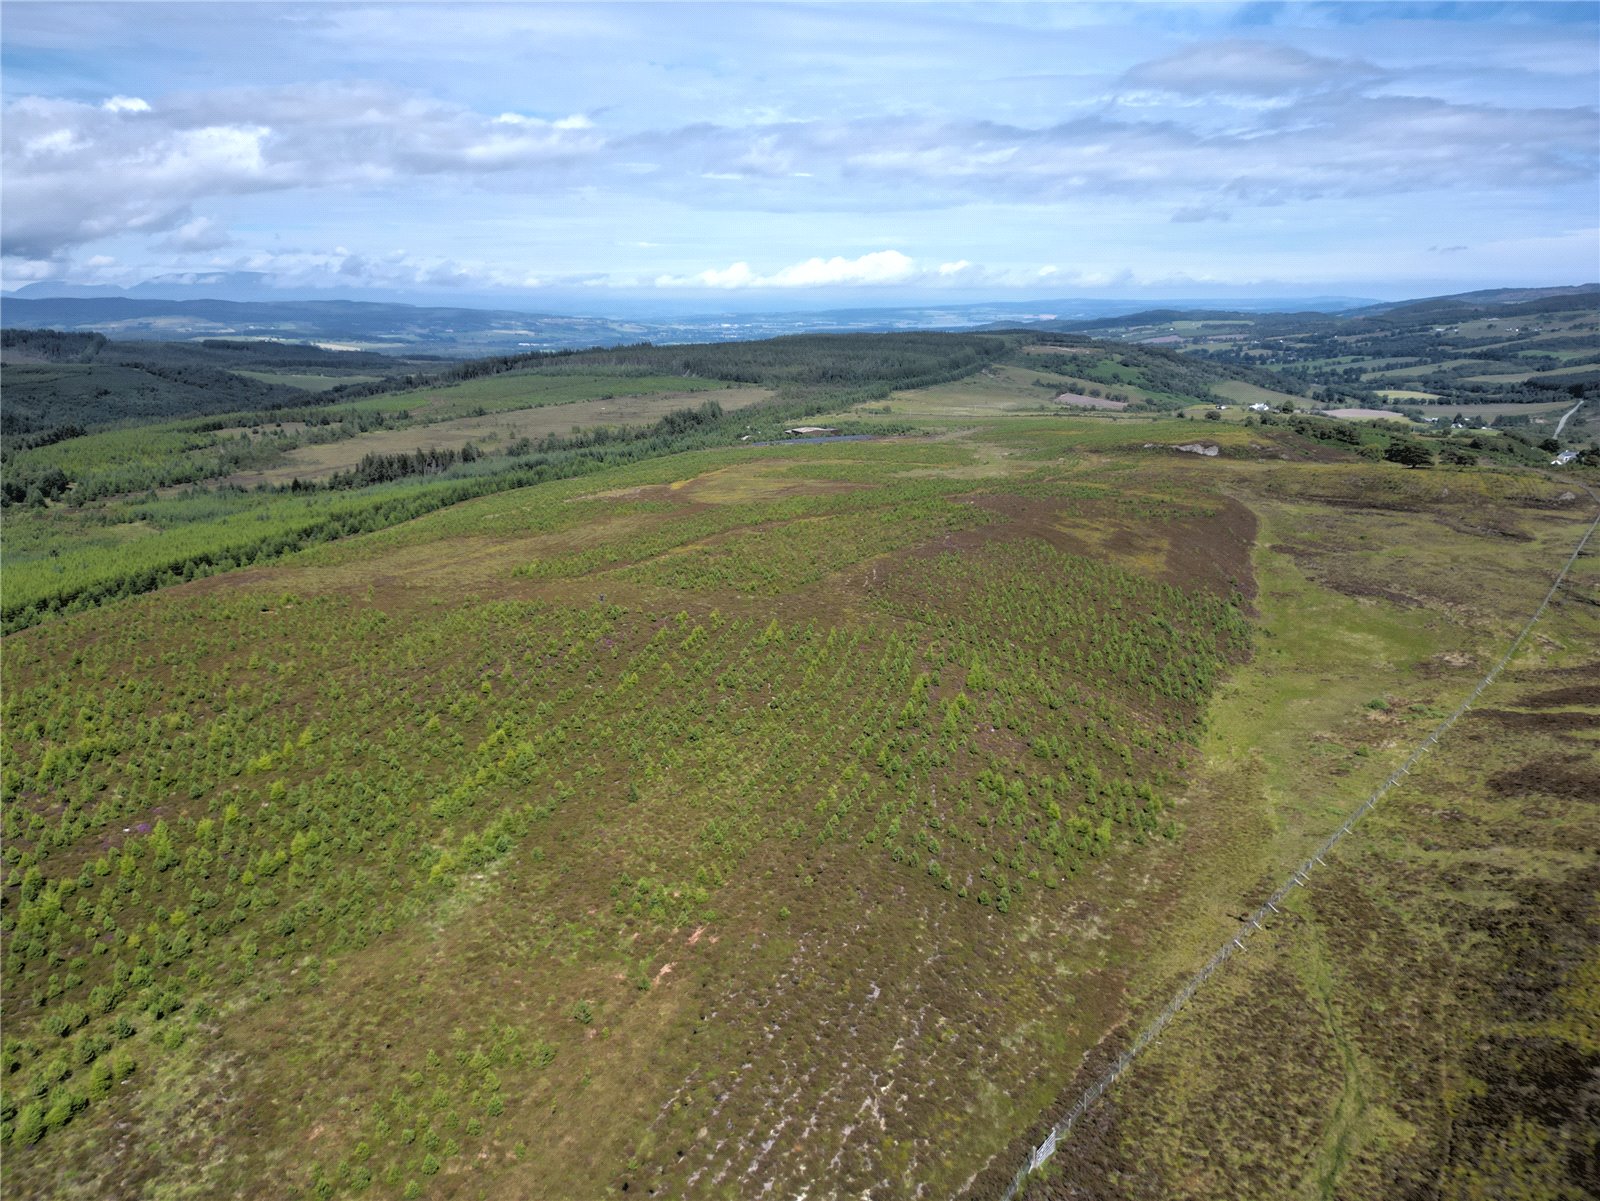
(201, 234)
(576, 121)
(879, 267)
(79, 172)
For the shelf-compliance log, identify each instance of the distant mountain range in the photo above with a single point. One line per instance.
(1500, 301)
(241, 305)
(169, 310)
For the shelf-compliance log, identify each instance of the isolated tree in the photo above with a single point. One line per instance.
(1408, 453)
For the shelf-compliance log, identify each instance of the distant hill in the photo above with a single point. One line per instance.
(339, 324)
(57, 381)
(180, 309)
(1152, 317)
(1492, 298)
(1502, 301)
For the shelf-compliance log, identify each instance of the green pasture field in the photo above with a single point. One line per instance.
(1496, 410)
(1245, 393)
(311, 382)
(1518, 377)
(1383, 373)
(1406, 394)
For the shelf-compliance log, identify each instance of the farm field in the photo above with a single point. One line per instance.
(311, 383)
(1381, 373)
(1245, 393)
(1491, 411)
(1405, 394)
(491, 432)
(1011, 389)
(1579, 370)
(710, 818)
(996, 390)
(516, 390)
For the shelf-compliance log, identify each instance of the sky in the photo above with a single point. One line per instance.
(799, 155)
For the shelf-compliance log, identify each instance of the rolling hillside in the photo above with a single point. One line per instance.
(676, 809)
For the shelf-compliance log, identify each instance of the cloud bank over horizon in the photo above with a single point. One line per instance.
(925, 150)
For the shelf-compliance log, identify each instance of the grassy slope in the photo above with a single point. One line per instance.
(1415, 1024)
(610, 847)
(61, 548)
(311, 382)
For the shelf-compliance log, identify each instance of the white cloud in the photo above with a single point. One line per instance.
(879, 267)
(21, 271)
(57, 141)
(77, 172)
(839, 127)
(576, 121)
(203, 233)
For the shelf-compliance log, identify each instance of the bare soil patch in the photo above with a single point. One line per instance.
(1574, 780)
(1577, 694)
(1553, 721)
(1210, 552)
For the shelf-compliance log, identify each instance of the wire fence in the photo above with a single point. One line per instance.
(1296, 879)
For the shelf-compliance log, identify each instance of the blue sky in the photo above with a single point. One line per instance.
(794, 155)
